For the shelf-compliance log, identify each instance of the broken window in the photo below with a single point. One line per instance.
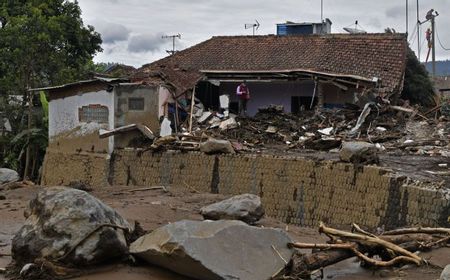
(93, 113)
(136, 104)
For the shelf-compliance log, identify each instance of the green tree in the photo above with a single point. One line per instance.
(42, 43)
(418, 87)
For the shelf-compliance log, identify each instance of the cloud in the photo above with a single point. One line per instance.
(145, 43)
(112, 32)
(395, 12)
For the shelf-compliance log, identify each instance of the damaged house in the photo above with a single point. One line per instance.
(298, 72)
(79, 112)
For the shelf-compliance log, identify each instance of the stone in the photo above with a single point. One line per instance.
(8, 176)
(215, 146)
(359, 153)
(445, 275)
(70, 226)
(212, 250)
(246, 207)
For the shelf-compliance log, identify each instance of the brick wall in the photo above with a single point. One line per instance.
(61, 168)
(294, 190)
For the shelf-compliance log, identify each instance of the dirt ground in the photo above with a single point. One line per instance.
(155, 208)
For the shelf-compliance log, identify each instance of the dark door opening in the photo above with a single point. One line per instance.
(302, 103)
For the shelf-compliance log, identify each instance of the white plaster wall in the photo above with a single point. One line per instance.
(63, 112)
(164, 97)
(263, 94)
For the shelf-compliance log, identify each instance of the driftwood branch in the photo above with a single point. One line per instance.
(321, 246)
(418, 230)
(357, 237)
(393, 248)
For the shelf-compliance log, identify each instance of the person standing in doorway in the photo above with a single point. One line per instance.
(243, 94)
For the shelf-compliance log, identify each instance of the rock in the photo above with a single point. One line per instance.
(359, 153)
(215, 146)
(445, 275)
(245, 207)
(71, 226)
(8, 176)
(211, 250)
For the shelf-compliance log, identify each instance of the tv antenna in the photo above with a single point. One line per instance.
(255, 26)
(173, 37)
(355, 30)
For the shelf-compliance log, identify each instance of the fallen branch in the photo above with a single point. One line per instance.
(352, 236)
(321, 246)
(396, 260)
(148, 189)
(418, 230)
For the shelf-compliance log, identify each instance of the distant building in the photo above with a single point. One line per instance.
(304, 28)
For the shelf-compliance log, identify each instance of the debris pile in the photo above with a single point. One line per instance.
(388, 127)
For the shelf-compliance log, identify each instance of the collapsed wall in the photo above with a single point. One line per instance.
(294, 190)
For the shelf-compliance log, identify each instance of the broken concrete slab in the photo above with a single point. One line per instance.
(359, 153)
(228, 124)
(245, 207)
(212, 250)
(8, 176)
(72, 227)
(205, 116)
(215, 146)
(272, 129)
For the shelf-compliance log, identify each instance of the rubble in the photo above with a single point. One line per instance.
(245, 207)
(216, 250)
(359, 153)
(8, 176)
(70, 226)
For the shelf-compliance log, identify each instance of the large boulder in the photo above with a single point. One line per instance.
(244, 207)
(359, 153)
(215, 146)
(212, 250)
(445, 275)
(8, 176)
(70, 226)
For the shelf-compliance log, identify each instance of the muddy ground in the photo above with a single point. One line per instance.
(156, 208)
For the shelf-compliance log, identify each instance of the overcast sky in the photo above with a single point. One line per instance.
(132, 29)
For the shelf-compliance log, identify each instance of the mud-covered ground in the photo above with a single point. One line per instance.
(156, 208)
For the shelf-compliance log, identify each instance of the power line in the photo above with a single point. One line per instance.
(439, 40)
(413, 35)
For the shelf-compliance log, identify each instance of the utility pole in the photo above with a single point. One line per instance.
(321, 11)
(418, 31)
(431, 16)
(407, 18)
(173, 37)
(433, 41)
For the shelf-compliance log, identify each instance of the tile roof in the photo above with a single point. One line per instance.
(365, 55)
